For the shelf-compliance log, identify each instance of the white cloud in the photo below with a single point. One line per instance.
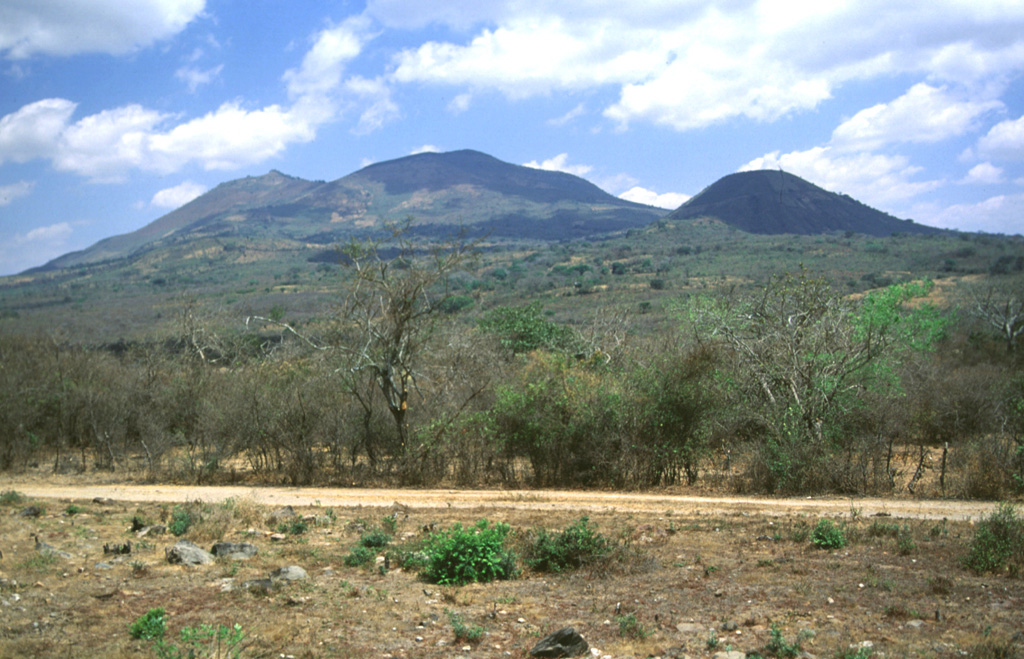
(669, 200)
(32, 131)
(984, 173)
(21, 251)
(9, 193)
(324, 63)
(568, 116)
(1005, 141)
(375, 95)
(70, 27)
(998, 214)
(177, 196)
(923, 114)
(195, 77)
(560, 164)
(460, 103)
(687, 65)
(426, 148)
(875, 179)
(59, 232)
(103, 145)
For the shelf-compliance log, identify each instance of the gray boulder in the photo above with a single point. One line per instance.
(187, 553)
(566, 642)
(234, 551)
(290, 573)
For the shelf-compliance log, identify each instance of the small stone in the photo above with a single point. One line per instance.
(187, 553)
(830, 601)
(915, 624)
(289, 573)
(565, 642)
(729, 626)
(277, 537)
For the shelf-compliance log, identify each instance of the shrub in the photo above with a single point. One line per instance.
(998, 543)
(295, 526)
(149, 626)
(11, 497)
(181, 521)
(463, 555)
(359, 555)
(778, 646)
(573, 548)
(461, 630)
(827, 535)
(630, 627)
(374, 538)
(72, 510)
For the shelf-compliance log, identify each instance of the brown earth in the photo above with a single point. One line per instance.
(695, 574)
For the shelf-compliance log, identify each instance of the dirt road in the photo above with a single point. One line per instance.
(584, 502)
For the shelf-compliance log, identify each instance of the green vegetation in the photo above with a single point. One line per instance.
(149, 626)
(11, 498)
(196, 642)
(630, 627)
(998, 543)
(464, 555)
(828, 535)
(359, 555)
(181, 521)
(577, 545)
(462, 631)
(778, 646)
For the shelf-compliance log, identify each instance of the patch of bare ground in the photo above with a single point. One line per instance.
(699, 576)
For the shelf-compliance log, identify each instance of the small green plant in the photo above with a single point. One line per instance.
(374, 538)
(577, 545)
(862, 652)
(998, 543)
(827, 535)
(11, 497)
(800, 531)
(181, 521)
(630, 627)
(461, 630)
(905, 544)
(359, 555)
(149, 626)
(389, 524)
(712, 642)
(72, 510)
(205, 641)
(778, 646)
(295, 526)
(463, 555)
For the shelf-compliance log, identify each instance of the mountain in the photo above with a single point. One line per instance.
(774, 202)
(439, 190)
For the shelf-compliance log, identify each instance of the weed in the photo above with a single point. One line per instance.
(630, 627)
(861, 652)
(577, 545)
(138, 568)
(461, 630)
(149, 626)
(296, 526)
(72, 510)
(11, 497)
(827, 535)
(712, 642)
(778, 646)
(905, 544)
(800, 531)
(989, 649)
(389, 524)
(359, 555)
(998, 542)
(460, 556)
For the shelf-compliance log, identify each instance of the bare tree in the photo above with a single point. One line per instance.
(1002, 309)
(393, 299)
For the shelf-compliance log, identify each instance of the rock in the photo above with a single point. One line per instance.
(259, 586)
(31, 511)
(690, 628)
(289, 573)
(729, 626)
(278, 537)
(281, 515)
(235, 551)
(915, 624)
(156, 529)
(187, 553)
(731, 654)
(103, 501)
(563, 643)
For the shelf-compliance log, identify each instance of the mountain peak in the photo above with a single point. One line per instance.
(774, 201)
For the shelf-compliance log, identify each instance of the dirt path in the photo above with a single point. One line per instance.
(584, 502)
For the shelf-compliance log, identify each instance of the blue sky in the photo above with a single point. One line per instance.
(113, 113)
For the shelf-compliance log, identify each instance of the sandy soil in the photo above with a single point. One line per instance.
(540, 500)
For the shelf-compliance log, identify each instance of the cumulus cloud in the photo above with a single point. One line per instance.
(998, 214)
(9, 193)
(1005, 141)
(177, 196)
(560, 163)
(984, 173)
(375, 96)
(569, 116)
(21, 251)
(324, 64)
(688, 65)
(32, 131)
(71, 27)
(669, 200)
(460, 103)
(876, 179)
(923, 114)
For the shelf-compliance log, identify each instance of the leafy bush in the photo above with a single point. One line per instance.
(998, 543)
(374, 538)
(181, 521)
(573, 548)
(72, 510)
(149, 626)
(359, 555)
(463, 555)
(827, 535)
(11, 497)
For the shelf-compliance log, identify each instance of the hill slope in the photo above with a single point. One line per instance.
(439, 190)
(774, 202)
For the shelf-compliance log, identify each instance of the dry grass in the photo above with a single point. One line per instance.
(681, 576)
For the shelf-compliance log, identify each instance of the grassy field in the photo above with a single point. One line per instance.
(676, 584)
